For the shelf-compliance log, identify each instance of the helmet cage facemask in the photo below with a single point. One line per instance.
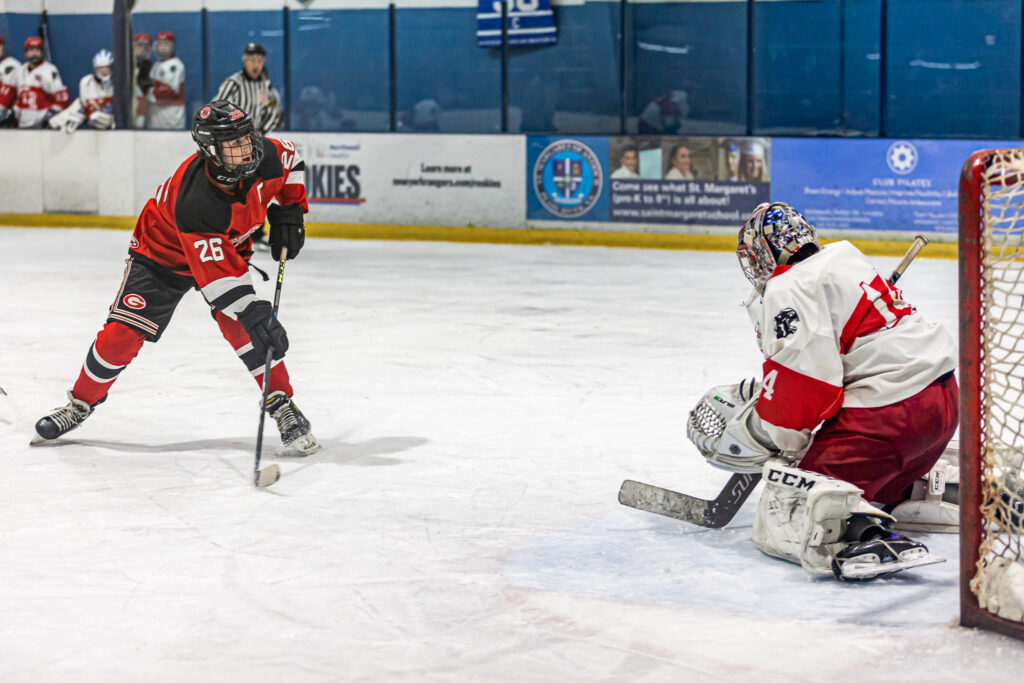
(756, 258)
(211, 144)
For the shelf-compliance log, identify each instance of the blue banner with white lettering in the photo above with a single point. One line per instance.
(530, 22)
(908, 185)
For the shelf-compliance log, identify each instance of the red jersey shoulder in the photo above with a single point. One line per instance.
(286, 152)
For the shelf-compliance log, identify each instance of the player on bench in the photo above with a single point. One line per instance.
(845, 351)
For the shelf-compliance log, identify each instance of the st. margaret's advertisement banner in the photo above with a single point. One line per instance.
(660, 180)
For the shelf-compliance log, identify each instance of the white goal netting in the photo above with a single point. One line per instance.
(999, 581)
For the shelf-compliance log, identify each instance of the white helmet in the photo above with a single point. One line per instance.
(103, 58)
(771, 237)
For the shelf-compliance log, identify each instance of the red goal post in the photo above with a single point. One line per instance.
(992, 391)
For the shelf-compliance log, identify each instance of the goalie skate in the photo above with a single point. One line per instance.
(880, 556)
(296, 432)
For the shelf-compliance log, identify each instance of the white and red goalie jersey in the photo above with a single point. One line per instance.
(835, 334)
(35, 93)
(165, 101)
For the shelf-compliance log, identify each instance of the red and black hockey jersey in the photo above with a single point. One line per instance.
(195, 229)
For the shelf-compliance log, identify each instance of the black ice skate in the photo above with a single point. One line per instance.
(294, 427)
(885, 554)
(62, 420)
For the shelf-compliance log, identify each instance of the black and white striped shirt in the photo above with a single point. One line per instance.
(257, 98)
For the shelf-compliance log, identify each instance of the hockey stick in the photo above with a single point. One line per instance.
(271, 473)
(712, 514)
(717, 513)
(920, 242)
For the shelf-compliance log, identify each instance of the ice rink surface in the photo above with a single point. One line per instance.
(479, 407)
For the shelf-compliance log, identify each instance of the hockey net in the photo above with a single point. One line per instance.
(992, 391)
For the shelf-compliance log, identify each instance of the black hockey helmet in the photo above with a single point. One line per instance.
(218, 123)
(254, 49)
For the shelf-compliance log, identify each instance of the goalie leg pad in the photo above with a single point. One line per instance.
(934, 501)
(802, 516)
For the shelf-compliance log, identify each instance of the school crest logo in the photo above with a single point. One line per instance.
(567, 178)
(785, 323)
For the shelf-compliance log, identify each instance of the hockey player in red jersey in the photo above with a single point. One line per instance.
(845, 354)
(196, 233)
(34, 90)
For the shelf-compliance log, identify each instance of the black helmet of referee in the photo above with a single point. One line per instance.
(227, 140)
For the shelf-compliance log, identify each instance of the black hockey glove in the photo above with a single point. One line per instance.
(286, 230)
(264, 329)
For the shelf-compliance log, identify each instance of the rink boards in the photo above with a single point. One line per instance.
(518, 189)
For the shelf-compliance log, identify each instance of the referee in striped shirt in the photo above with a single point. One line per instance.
(250, 90)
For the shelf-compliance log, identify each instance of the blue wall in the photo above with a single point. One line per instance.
(700, 48)
(339, 75)
(952, 68)
(227, 35)
(955, 71)
(437, 58)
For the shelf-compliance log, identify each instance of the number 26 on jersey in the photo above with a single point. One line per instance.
(209, 250)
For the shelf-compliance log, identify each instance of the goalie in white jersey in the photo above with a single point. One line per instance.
(844, 354)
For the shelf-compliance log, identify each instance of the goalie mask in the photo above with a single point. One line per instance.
(772, 236)
(227, 140)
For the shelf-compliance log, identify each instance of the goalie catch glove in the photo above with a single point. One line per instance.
(726, 430)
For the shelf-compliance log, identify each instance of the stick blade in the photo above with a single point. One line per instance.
(713, 514)
(267, 476)
(664, 502)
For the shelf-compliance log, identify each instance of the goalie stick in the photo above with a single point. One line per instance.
(719, 511)
(713, 514)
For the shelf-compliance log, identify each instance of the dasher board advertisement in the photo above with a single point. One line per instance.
(443, 180)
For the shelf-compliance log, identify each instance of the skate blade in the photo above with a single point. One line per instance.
(267, 476)
(928, 528)
(866, 570)
(40, 441)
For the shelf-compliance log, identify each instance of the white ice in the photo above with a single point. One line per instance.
(479, 407)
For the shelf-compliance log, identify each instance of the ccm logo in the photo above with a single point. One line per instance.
(134, 301)
(790, 479)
